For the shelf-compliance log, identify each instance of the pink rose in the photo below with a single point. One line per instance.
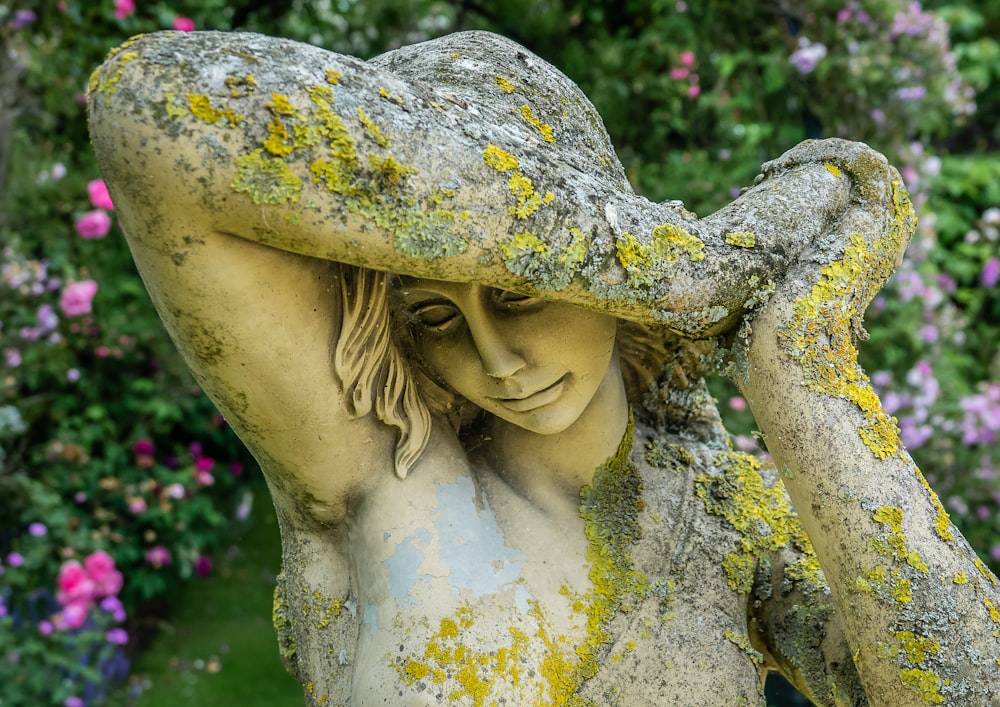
(93, 224)
(183, 24)
(101, 567)
(124, 8)
(76, 298)
(97, 190)
(72, 616)
(75, 584)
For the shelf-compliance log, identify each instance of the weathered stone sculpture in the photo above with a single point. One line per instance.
(470, 362)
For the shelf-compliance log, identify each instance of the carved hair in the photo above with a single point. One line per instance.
(379, 367)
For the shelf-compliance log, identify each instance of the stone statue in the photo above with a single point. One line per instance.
(470, 362)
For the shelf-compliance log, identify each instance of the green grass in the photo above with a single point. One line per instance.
(218, 648)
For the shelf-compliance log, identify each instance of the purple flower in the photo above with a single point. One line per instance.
(203, 566)
(118, 636)
(143, 446)
(12, 358)
(73, 375)
(22, 18)
(991, 273)
(47, 317)
(911, 93)
(15, 559)
(45, 627)
(37, 529)
(807, 57)
(73, 702)
(113, 605)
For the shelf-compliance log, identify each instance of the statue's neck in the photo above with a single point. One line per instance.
(549, 470)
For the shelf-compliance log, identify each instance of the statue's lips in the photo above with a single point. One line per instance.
(536, 399)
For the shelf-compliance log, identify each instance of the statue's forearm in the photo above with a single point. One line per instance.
(920, 610)
(380, 165)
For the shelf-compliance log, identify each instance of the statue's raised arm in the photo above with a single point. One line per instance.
(432, 263)
(466, 158)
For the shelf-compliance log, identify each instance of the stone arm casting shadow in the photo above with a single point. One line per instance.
(500, 173)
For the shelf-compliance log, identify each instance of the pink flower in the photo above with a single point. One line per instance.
(687, 58)
(97, 190)
(124, 8)
(203, 478)
(143, 447)
(45, 627)
(679, 73)
(694, 91)
(101, 567)
(93, 224)
(183, 24)
(991, 273)
(75, 584)
(737, 403)
(158, 556)
(137, 505)
(72, 616)
(76, 298)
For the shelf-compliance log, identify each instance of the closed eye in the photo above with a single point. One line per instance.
(437, 315)
(513, 300)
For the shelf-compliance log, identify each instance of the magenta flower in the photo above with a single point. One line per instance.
(73, 702)
(991, 273)
(158, 556)
(144, 447)
(97, 190)
(183, 24)
(687, 58)
(93, 224)
(45, 627)
(76, 298)
(124, 8)
(203, 566)
(15, 559)
(37, 529)
(75, 584)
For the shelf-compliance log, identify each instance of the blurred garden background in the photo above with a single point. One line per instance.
(137, 544)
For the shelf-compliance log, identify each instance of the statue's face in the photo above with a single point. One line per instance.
(533, 363)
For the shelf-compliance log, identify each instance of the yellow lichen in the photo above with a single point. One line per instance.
(505, 85)
(895, 542)
(384, 93)
(373, 130)
(279, 105)
(267, 180)
(820, 337)
(498, 159)
(544, 128)
(201, 107)
(647, 265)
(834, 170)
(761, 515)
(332, 76)
(925, 683)
(741, 239)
